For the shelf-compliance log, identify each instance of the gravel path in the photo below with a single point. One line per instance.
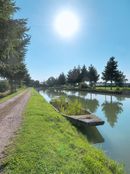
(10, 118)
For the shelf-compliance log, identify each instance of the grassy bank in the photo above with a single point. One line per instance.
(9, 96)
(48, 144)
(98, 90)
(113, 88)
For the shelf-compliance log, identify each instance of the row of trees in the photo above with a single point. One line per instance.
(79, 74)
(14, 39)
(75, 76)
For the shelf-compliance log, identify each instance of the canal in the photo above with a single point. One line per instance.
(114, 136)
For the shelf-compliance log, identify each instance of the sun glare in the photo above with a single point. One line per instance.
(66, 24)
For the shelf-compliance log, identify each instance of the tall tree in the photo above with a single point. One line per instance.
(112, 74)
(120, 79)
(78, 74)
(84, 74)
(105, 77)
(27, 79)
(7, 8)
(73, 76)
(111, 71)
(70, 77)
(13, 58)
(61, 79)
(20, 74)
(51, 81)
(13, 42)
(93, 75)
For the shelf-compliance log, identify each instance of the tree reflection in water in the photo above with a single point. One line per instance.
(91, 133)
(120, 98)
(92, 105)
(53, 93)
(111, 110)
(89, 104)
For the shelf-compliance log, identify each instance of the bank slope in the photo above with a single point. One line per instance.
(47, 143)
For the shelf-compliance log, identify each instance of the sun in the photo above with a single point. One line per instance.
(66, 24)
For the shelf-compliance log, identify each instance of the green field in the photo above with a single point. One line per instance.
(48, 144)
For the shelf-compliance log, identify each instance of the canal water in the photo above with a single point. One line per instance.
(114, 136)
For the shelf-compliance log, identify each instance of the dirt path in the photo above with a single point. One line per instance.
(10, 118)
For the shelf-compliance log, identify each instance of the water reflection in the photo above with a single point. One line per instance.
(114, 140)
(92, 105)
(82, 93)
(111, 110)
(120, 98)
(111, 106)
(89, 104)
(53, 93)
(91, 133)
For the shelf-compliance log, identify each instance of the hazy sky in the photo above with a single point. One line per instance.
(104, 32)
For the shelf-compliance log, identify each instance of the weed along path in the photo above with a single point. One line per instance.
(10, 118)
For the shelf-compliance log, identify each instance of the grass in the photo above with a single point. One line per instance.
(68, 107)
(107, 88)
(9, 96)
(113, 88)
(48, 144)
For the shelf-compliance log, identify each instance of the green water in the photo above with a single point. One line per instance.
(114, 136)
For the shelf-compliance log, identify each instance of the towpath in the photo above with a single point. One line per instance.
(11, 117)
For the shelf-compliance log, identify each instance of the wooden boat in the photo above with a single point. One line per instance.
(87, 119)
(90, 119)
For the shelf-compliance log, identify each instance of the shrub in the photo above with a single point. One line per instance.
(74, 108)
(83, 86)
(4, 85)
(65, 106)
(117, 89)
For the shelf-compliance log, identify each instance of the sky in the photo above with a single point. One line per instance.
(104, 31)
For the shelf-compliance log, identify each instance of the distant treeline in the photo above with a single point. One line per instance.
(88, 76)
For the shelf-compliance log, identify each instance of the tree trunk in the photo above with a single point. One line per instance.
(105, 84)
(20, 83)
(111, 85)
(15, 87)
(11, 86)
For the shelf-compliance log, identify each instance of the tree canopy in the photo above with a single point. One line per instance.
(86, 77)
(93, 75)
(14, 39)
(112, 74)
